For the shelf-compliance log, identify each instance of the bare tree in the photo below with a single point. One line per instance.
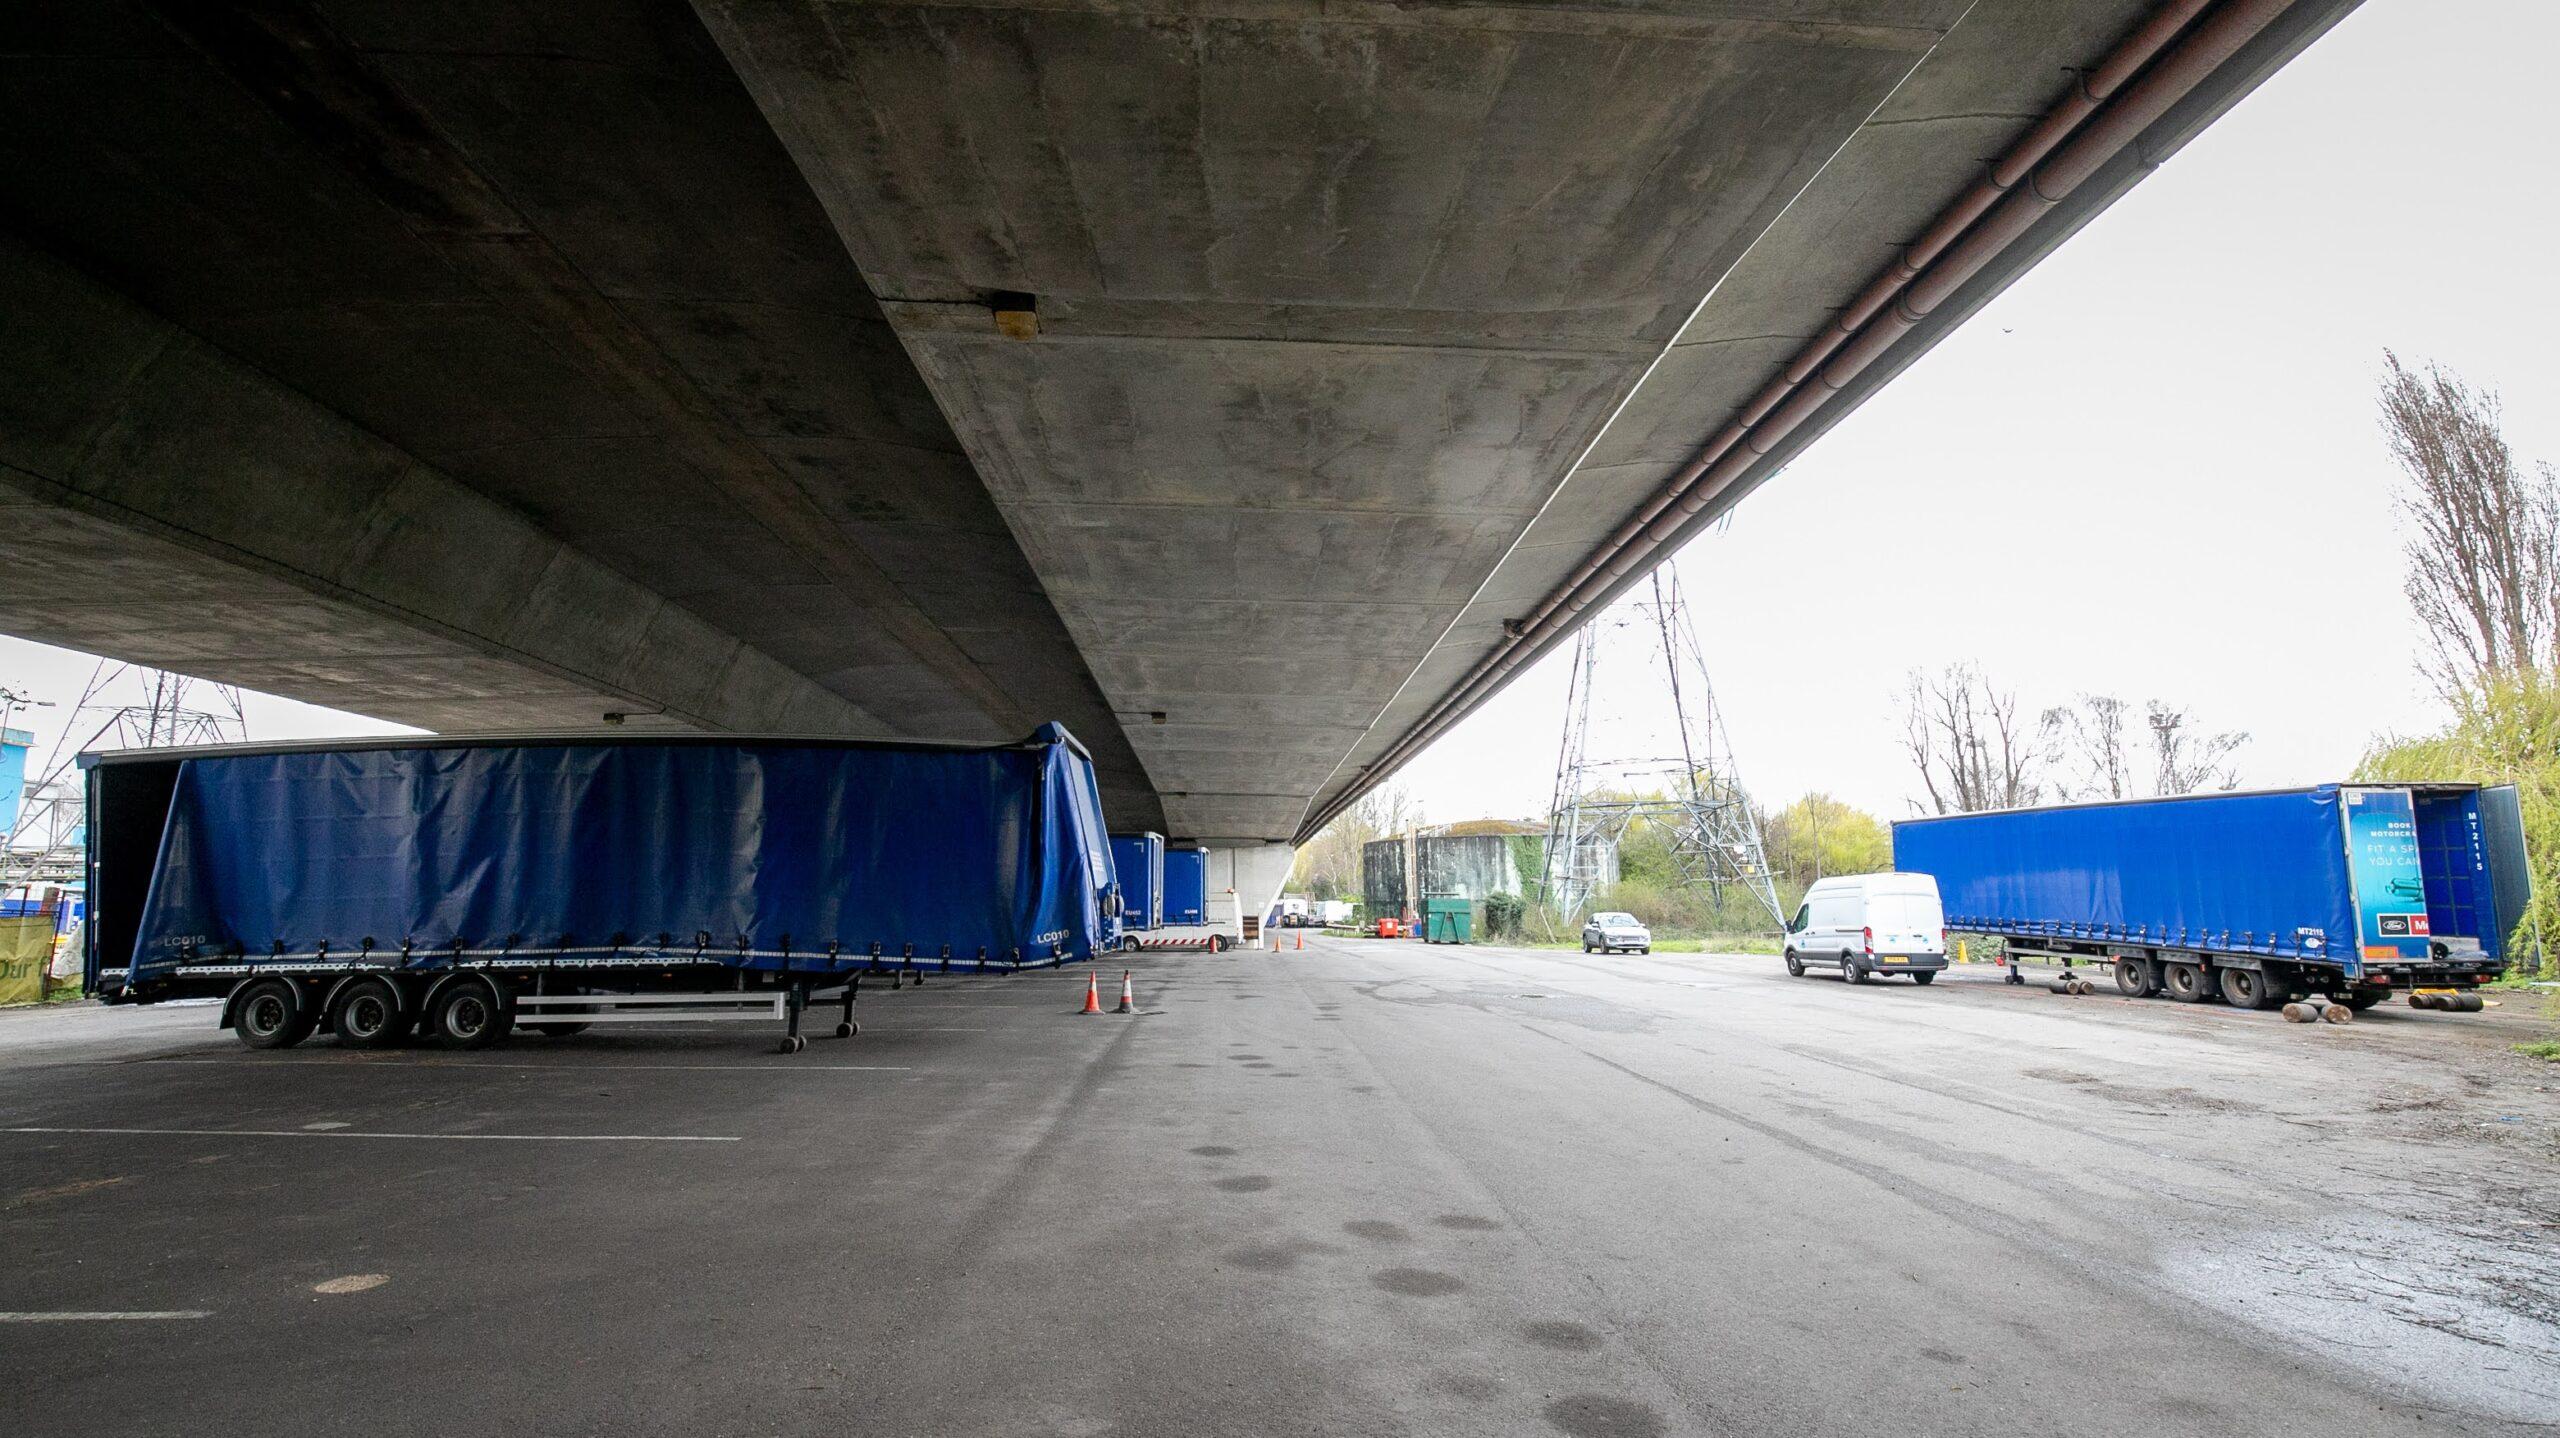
(1971, 748)
(2095, 739)
(2484, 541)
(1329, 864)
(2090, 737)
(2189, 762)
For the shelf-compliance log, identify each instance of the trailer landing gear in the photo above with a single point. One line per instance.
(794, 1000)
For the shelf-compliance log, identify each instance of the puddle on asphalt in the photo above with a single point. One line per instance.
(2468, 1321)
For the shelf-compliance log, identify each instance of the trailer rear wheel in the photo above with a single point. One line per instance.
(472, 1014)
(2185, 982)
(367, 1015)
(2250, 989)
(271, 1015)
(2133, 978)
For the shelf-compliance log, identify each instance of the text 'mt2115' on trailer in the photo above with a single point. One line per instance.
(464, 887)
(2350, 891)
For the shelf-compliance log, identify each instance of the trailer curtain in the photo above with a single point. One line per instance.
(758, 855)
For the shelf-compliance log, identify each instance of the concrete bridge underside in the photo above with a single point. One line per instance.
(1215, 376)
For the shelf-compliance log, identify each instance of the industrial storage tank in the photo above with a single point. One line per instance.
(1384, 892)
(1469, 866)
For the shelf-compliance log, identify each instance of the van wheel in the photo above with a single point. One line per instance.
(368, 1015)
(1795, 966)
(270, 1015)
(1849, 969)
(1923, 976)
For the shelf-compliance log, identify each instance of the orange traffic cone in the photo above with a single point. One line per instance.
(1128, 1000)
(1302, 940)
(1092, 993)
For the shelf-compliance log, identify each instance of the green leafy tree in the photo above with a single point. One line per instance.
(2506, 731)
(1818, 835)
(2481, 536)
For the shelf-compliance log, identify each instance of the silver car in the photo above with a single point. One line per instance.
(1611, 932)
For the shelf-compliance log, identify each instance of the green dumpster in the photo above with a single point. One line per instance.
(1448, 920)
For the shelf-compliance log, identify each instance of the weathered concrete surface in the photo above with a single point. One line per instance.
(500, 366)
(1360, 1189)
(1361, 324)
(551, 258)
(1330, 297)
(1999, 69)
(163, 503)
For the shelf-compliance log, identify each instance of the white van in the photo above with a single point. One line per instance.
(1865, 924)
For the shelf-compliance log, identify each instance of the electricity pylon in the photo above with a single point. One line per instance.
(1683, 781)
(123, 706)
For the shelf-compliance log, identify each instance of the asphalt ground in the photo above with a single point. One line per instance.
(1367, 1188)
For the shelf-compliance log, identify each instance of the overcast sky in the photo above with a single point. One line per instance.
(2149, 469)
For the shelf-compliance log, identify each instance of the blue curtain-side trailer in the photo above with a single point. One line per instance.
(464, 887)
(2352, 891)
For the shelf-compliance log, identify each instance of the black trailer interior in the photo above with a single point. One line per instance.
(128, 809)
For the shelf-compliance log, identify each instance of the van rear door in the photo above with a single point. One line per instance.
(1907, 923)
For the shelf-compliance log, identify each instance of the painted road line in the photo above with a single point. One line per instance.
(103, 1317)
(359, 1133)
(359, 1065)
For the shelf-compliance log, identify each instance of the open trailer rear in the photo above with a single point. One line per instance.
(464, 887)
(2344, 890)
